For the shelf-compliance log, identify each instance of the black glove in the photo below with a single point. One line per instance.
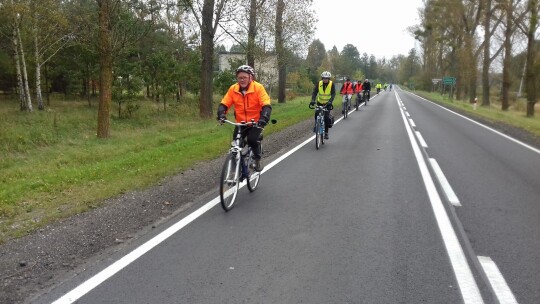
(312, 103)
(263, 121)
(329, 106)
(264, 117)
(221, 112)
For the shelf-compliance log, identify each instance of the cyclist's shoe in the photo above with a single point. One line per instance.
(326, 136)
(258, 165)
(313, 129)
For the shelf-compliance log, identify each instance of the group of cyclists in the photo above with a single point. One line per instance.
(251, 102)
(324, 93)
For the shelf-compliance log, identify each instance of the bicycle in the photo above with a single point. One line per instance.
(239, 166)
(319, 125)
(366, 96)
(357, 101)
(345, 107)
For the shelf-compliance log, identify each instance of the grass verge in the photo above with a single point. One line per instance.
(53, 166)
(492, 113)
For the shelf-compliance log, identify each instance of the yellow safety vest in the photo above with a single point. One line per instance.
(324, 95)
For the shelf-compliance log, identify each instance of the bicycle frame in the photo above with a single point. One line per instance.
(239, 166)
(345, 106)
(319, 125)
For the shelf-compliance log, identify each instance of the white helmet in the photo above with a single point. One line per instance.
(246, 69)
(326, 74)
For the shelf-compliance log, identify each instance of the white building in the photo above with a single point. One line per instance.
(265, 67)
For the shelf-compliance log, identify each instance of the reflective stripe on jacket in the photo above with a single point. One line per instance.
(324, 94)
(248, 106)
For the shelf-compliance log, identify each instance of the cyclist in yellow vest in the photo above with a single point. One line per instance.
(378, 86)
(324, 92)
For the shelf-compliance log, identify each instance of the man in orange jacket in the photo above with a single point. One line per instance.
(250, 101)
(347, 91)
(358, 90)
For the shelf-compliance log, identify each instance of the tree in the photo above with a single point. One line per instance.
(531, 75)
(50, 35)
(349, 59)
(293, 32)
(280, 51)
(489, 18)
(515, 12)
(106, 8)
(208, 20)
(17, 11)
(315, 57)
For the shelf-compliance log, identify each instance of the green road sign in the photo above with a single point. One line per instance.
(449, 80)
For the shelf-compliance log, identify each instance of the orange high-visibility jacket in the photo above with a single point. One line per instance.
(248, 106)
(358, 87)
(347, 88)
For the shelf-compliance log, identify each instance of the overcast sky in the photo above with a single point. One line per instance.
(375, 27)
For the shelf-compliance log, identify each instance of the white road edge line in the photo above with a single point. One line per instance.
(421, 139)
(450, 194)
(497, 281)
(484, 126)
(112, 269)
(458, 260)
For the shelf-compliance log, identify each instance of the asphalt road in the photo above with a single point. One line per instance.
(364, 219)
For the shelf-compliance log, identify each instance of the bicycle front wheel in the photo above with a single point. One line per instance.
(318, 136)
(230, 181)
(253, 175)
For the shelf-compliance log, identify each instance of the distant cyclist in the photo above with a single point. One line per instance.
(366, 86)
(325, 92)
(347, 91)
(378, 86)
(358, 90)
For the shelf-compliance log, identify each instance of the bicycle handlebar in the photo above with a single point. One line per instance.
(318, 107)
(251, 123)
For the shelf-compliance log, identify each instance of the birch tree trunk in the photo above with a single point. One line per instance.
(20, 84)
(39, 97)
(24, 73)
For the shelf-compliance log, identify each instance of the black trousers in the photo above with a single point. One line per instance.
(253, 137)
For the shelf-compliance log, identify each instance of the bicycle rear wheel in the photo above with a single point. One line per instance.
(253, 176)
(230, 181)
